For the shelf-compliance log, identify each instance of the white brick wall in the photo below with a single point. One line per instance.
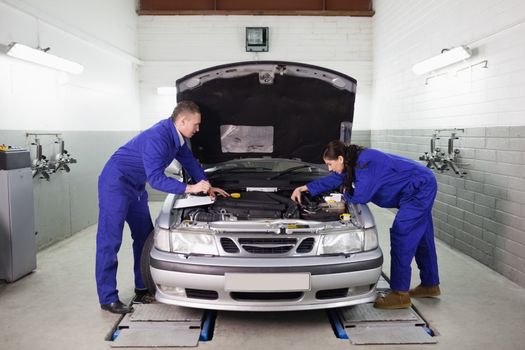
(173, 46)
(99, 34)
(406, 32)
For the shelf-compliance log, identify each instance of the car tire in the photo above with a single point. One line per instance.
(145, 264)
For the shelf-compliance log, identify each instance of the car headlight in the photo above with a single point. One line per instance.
(342, 243)
(161, 239)
(193, 243)
(349, 242)
(185, 242)
(371, 240)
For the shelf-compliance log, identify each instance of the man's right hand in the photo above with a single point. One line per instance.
(201, 186)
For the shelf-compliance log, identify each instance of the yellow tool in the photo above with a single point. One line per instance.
(235, 195)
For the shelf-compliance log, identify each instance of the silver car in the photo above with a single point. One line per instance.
(265, 125)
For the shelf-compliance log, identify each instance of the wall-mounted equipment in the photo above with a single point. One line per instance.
(62, 158)
(43, 166)
(17, 223)
(40, 56)
(446, 58)
(257, 39)
(441, 161)
(39, 165)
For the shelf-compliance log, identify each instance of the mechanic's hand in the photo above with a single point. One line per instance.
(296, 195)
(214, 190)
(202, 186)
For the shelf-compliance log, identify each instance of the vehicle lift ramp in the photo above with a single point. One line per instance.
(158, 325)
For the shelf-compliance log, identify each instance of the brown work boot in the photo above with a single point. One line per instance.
(393, 300)
(422, 291)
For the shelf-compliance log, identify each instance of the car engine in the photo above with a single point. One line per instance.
(266, 205)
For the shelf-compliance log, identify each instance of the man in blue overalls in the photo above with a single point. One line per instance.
(123, 198)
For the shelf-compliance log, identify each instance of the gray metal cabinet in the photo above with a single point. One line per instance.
(17, 226)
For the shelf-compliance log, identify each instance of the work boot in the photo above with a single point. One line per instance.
(393, 300)
(117, 307)
(422, 291)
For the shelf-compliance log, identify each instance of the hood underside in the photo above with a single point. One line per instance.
(268, 108)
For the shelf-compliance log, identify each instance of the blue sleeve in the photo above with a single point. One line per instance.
(155, 154)
(327, 183)
(188, 161)
(367, 178)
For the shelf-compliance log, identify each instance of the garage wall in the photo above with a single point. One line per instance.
(95, 111)
(482, 214)
(173, 46)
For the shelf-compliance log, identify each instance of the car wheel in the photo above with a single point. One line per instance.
(145, 264)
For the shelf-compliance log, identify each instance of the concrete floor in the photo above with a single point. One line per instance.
(56, 306)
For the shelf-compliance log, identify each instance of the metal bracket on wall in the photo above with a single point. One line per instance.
(43, 166)
(441, 161)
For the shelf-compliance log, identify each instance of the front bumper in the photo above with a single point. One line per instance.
(200, 282)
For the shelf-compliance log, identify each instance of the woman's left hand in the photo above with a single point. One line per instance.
(296, 195)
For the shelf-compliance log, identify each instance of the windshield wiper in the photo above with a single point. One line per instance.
(238, 171)
(289, 170)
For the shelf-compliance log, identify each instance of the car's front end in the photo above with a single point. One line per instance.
(266, 264)
(257, 250)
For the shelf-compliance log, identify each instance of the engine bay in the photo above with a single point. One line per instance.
(252, 205)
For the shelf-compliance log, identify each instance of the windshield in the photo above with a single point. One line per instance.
(274, 167)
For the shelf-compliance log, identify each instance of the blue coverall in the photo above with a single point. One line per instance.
(390, 181)
(122, 197)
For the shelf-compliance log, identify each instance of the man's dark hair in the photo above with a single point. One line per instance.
(185, 106)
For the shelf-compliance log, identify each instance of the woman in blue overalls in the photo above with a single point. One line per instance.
(389, 181)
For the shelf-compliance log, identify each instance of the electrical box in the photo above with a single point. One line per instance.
(257, 39)
(14, 158)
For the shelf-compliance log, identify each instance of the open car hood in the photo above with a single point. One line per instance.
(268, 108)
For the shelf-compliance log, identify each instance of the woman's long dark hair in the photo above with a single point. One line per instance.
(336, 148)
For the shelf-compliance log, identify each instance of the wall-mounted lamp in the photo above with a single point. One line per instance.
(167, 90)
(447, 57)
(257, 39)
(40, 56)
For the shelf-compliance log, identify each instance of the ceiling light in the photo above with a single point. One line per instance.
(167, 90)
(42, 57)
(447, 57)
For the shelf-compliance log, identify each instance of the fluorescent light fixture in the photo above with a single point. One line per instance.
(167, 90)
(41, 57)
(447, 57)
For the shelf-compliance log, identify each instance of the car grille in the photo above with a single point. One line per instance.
(306, 245)
(229, 245)
(267, 245)
(274, 296)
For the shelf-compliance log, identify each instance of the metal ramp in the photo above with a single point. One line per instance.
(159, 325)
(364, 324)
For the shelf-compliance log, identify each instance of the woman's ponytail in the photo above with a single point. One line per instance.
(350, 153)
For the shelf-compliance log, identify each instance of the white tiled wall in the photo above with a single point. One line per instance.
(461, 95)
(173, 46)
(100, 35)
(482, 214)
